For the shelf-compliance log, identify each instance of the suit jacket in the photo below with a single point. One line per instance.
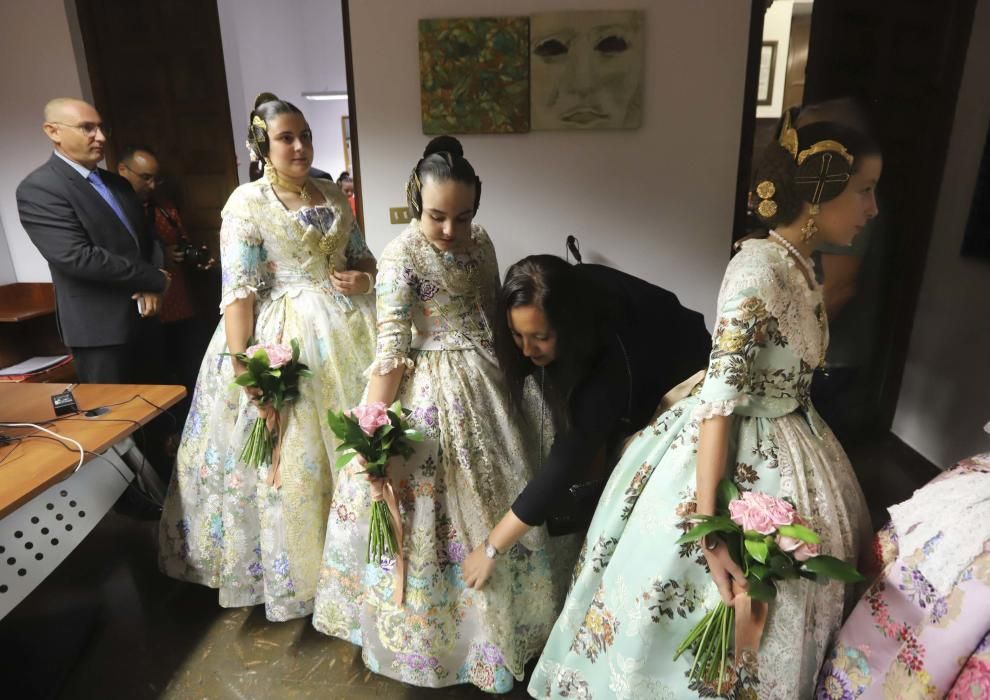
(95, 262)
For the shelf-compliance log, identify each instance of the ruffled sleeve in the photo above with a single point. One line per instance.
(244, 268)
(740, 334)
(396, 295)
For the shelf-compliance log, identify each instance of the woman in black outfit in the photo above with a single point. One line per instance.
(605, 347)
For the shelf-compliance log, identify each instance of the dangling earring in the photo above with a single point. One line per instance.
(809, 230)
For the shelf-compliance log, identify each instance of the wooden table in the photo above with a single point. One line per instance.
(30, 467)
(47, 507)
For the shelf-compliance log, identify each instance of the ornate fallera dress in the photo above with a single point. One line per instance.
(223, 526)
(434, 312)
(636, 593)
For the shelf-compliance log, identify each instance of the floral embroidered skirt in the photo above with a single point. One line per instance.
(222, 525)
(637, 594)
(452, 491)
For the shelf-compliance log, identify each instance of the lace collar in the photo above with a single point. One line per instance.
(461, 272)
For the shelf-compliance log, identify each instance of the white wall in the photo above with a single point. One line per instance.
(777, 27)
(286, 47)
(656, 202)
(945, 396)
(36, 51)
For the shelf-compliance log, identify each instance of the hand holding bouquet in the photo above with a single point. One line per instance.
(376, 433)
(274, 370)
(770, 542)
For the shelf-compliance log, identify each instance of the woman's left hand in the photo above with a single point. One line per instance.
(477, 568)
(350, 282)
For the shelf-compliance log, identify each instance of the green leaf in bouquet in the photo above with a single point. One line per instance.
(413, 435)
(245, 379)
(780, 562)
(758, 571)
(345, 459)
(758, 550)
(258, 364)
(808, 575)
(761, 590)
(824, 565)
(294, 344)
(727, 492)
(714, 523)
(277, 372)
(304, 371)
(800, 532)
(337, 423)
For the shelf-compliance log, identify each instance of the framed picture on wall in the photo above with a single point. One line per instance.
(345, 127)
(768, 62)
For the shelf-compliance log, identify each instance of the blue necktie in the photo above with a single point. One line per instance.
(94, 179)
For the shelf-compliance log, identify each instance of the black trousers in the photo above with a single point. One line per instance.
(105, 364)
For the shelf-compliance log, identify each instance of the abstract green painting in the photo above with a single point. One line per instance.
(474, 74)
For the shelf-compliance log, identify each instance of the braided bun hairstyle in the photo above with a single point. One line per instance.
(443, 160)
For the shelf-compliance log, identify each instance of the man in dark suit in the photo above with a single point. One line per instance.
(89, 225)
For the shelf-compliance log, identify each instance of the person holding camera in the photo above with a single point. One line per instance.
(184, 335)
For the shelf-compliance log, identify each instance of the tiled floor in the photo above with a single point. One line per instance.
(107, 625)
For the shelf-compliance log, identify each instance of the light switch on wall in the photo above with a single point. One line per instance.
(399, 215)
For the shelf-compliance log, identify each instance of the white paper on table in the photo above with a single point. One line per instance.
(35, 364)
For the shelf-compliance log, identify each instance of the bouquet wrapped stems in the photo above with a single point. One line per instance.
(710, 641)
(274, 370)
(377, 433)
(383, 541)
(770, 542)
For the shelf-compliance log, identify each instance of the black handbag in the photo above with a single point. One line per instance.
(574, 509)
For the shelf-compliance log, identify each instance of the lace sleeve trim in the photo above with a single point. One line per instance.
(387, 365)
(236, 293)
(710, 409)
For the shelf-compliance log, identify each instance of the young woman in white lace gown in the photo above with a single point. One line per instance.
(295, 265)
(437, 287)
(636, 593)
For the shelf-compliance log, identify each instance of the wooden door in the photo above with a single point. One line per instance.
(158, 79)
(904, 60)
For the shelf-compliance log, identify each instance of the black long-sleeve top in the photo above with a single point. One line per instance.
(665, 344)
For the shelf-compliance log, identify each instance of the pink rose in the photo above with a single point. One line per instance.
(370, 416)
(760, 512)
(278, 355)
(801, 551)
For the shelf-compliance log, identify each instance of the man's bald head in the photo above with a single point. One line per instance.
(60, 108)
(76, 130)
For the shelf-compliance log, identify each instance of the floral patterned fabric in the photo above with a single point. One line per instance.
(434, 313)
(905, 639)
(222, 526)
(636, 594)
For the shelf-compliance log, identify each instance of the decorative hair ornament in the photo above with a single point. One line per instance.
(821, 147)
(767, 207)
(789, 136)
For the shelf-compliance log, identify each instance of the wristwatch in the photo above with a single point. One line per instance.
(490, 550)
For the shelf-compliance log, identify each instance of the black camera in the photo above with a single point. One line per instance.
(195, 255)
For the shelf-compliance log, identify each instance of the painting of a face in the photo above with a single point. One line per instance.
(586, 70)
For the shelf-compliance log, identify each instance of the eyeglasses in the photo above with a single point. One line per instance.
(146, 177)
(88, 128)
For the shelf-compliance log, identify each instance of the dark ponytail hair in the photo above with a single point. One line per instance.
(836, 120)
(266, 107)
(443, 160)
(554, 286)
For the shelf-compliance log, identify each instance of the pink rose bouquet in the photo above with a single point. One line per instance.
(275, 370)
(770, 542)
(376, 433)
